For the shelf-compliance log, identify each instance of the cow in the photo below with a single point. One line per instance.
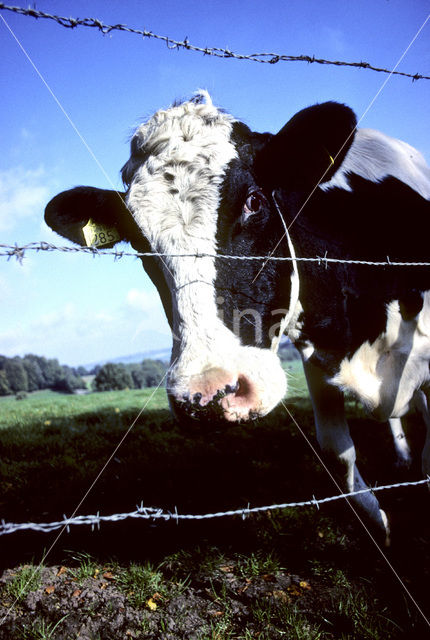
(203, 189)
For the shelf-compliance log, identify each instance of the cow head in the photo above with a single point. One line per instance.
(199, 184)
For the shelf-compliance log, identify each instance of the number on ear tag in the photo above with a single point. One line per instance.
(97, 235)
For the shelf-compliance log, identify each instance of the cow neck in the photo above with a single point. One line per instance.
(295, 284)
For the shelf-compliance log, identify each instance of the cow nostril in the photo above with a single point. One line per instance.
(231, 388)
(242, 401)
(243, 387)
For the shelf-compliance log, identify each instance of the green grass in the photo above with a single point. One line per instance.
(140, 582)
(296, 379)
(257, 564)
(86, 568)
(42, 407)
(41, 630)
(27, 579)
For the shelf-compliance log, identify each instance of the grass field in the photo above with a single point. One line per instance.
(41, 406)
(303, 573)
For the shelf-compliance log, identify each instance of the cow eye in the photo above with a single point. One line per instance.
(253, 203)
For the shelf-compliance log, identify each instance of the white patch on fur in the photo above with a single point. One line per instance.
(290, 316)
(385, 375)
(375, 156)
(174, 197)
(400, 442)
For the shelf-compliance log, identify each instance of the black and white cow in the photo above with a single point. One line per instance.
(200, 182)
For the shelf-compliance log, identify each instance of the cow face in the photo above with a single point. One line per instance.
(201, 184)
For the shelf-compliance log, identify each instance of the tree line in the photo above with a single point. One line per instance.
(111, 376)
(20, 375)
(287, 352)
(32, 373)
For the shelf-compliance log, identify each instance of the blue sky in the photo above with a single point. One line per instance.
(81, 309)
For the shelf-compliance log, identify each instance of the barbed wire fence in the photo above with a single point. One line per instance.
(18, 252)
(218, 52)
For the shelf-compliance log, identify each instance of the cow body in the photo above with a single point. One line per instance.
(199, 182)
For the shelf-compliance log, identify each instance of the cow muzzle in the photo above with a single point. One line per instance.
(250, 386)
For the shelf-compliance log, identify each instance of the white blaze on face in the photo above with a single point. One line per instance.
(385, 374)
(174, 196)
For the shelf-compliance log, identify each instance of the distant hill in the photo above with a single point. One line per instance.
(155, 354)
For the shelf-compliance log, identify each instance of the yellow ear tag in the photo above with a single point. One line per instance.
(97, 235)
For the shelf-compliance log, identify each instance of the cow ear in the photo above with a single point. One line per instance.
(309, 148)
(89, 216)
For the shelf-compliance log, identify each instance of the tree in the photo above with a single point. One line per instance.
(139, 377)
(5, 389)
(52, 371)
(68, 383)
(94, 371)
(154, 371)
(34, 374)
(287, 352)
(112, 377)
(16, 374)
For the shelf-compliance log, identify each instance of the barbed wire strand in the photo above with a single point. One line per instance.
(18, 251)
(218, 52)
(153, 513)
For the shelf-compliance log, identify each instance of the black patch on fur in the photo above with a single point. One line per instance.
(70, 211)
(411, 303)
(344, 304)
(257, 237)
(311, 146)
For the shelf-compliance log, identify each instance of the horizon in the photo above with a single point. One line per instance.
(129, 358)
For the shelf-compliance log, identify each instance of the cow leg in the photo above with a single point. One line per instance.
(400, 443)
(335, 440)
(421, 400)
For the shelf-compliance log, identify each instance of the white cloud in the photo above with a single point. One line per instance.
(75, 336)
(23, 192)
(58, 318)
(25, 134)
(147, 312)
(335, 38)
(5, 289)
(142, 300)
